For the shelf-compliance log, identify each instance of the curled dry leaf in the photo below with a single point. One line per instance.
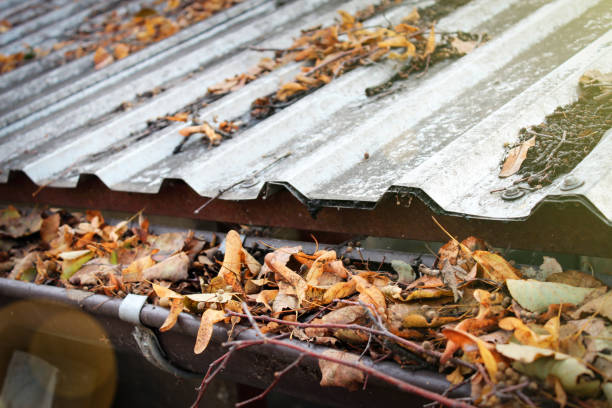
(209, 132)
(133, 273)
(230, 269)
(209, 318)
(337, 375)
(176, 307)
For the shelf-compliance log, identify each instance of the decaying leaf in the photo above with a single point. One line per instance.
(516, 157)
(405, 273)
(536, 296)
(133, 273)
(575, 377)
(601, 305)
(209, 318)
(337, 375)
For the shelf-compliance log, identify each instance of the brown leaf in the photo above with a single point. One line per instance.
(176, 307)
(102, 58)
(121, 51)
(295, 280)
(172, 269)
(213, 137)
(516, 157)
(431, 42)
(495, 267)
(337, 375)
(339, 290)
(576, 278)
(49, 228)
(370, 295)
(179, 117)
(133, 273)
(463, 47)
(209, 318)
(316, 270)
(230, 269)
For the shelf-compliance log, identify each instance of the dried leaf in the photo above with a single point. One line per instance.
(430, 46)
(494, 266)
(133, 273)
(179, 117)
(102, 58)
(213, 137)
(121, 51)
(463, 47)
(516, 157)
(337, 375)
(486, 350)
(163, 292)
(172, 269)
(209, 318)
(370, 295)
(176, 307)
(339, 290)
(601, 305)
(295, 280)
(575, 278)
(49, 227)
(318, 266)
(230, 269)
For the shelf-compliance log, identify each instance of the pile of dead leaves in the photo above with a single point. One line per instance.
(118, 35)
(522, 336)
(326, 53)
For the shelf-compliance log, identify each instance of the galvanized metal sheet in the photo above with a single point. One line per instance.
(440, 136)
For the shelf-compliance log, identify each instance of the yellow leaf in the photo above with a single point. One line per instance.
(205, 128)
(121, 51)
(176, 307)
(406, 28)
(370, 294)
(431, 42)
(494, 266)
(209, 318)
(133, 273)
(397, 41)
(162, 292)
(179, 117)
(339, 290)
(230, 269)
(347, 20)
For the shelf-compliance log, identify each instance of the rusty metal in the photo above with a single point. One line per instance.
(395, 215)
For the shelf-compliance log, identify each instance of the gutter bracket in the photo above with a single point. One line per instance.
(129, 311)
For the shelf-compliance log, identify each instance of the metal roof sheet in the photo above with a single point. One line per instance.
(440, 136)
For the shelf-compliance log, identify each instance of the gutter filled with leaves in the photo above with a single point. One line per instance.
(521, 336)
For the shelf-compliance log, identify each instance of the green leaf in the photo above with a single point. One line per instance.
(71, 263)
(538, 362)
(536, 296)
(404, 271)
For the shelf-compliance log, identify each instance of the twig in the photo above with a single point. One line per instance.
(371, 371)
(407, 343)
(277, 377)
(252, 321)
(244, 180)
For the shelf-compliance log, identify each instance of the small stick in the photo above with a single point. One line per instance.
(277, 377)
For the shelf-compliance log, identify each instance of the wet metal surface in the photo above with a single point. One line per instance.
(440, 137)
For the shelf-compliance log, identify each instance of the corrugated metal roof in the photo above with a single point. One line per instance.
(440, 136)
